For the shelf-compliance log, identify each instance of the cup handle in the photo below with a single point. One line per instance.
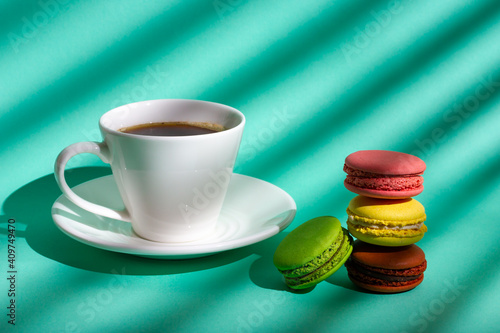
(102, 151)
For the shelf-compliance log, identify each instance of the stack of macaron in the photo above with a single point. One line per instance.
(386, 220)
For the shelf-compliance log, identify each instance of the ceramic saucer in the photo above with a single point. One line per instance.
(253, 210)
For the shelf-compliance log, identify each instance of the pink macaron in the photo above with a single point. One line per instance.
(384, 174)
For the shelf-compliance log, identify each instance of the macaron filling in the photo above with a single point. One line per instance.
(392, 275)
(397, 228)
(385, 183)
(361, 173)
(358, 231)
(384, 277)
(383, 226)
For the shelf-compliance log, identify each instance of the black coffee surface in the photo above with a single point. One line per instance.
(171, 129)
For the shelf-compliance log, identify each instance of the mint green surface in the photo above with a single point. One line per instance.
(316, 80)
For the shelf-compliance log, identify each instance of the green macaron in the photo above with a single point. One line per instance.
(312, 252)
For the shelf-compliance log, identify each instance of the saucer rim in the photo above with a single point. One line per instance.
(172, 250)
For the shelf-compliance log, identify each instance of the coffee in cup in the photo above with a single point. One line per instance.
(173, 129)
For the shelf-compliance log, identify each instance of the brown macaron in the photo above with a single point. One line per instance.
(386, 269)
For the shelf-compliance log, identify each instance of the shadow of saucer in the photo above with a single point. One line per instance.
(31, 204)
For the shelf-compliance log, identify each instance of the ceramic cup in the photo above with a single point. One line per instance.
(173, 187)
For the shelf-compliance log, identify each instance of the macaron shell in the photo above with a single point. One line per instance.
(404, 257)
(393, 210)
(383, 194)
(326, 274)
(387, 289)
(318, 263)
(306, 242)
(385, 162)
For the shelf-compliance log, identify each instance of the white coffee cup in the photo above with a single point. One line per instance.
(173, 187)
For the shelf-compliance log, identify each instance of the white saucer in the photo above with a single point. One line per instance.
(253, 210)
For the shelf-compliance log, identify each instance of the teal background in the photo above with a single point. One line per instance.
(316, 80)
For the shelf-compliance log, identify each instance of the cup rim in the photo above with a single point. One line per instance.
(184, 137)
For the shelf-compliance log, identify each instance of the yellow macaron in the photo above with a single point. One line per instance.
(386, 222)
